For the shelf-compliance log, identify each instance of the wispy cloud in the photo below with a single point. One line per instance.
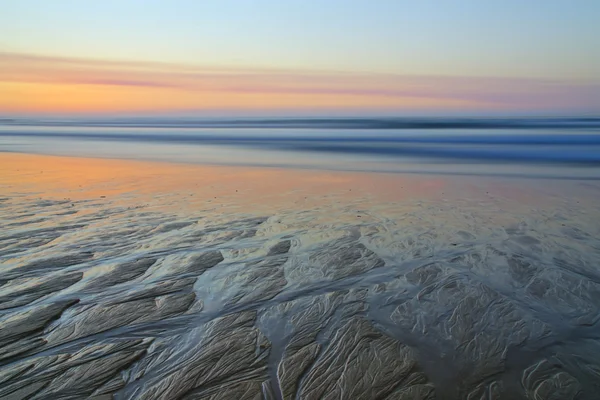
(120, 82)
(493, 92)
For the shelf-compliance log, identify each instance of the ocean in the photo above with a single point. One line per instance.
(541, 148)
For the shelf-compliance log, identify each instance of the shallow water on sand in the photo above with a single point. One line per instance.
(159, 281)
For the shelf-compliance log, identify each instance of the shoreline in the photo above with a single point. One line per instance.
(388, 185)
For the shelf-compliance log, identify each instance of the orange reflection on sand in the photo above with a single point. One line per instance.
(191, 185)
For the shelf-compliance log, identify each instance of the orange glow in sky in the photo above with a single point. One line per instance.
(69, 98)
(62, 85)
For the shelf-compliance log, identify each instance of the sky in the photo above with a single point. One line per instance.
(299, 57)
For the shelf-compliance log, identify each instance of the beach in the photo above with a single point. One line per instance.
(135, 279)
(327, 200)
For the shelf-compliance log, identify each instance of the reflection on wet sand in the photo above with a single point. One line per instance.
(160, 281)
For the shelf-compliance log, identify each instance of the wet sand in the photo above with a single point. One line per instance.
(138, 280)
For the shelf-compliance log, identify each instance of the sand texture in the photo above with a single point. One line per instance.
(310, 286)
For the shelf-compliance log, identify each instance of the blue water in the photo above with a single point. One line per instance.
(538, 147)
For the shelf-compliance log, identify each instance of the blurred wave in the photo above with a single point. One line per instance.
(322, 123)
(339, 143)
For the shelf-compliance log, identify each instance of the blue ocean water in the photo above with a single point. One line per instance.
(529, 147)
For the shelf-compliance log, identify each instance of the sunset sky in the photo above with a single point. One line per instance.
(299, 57)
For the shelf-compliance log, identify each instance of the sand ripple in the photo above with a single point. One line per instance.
(480, 298)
